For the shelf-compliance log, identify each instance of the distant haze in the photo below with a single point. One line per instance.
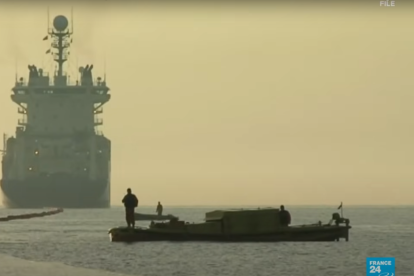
(250, 105)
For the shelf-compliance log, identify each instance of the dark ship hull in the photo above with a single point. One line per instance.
(139, 217)
(62, 192)
(254, 225)
(290, 234)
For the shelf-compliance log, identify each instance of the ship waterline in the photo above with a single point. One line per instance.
(64, 193)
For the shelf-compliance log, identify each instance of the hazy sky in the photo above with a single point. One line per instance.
(250, 105)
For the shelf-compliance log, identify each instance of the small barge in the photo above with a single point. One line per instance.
(257, 225)
(139, 217)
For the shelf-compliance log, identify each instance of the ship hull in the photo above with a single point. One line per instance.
(66, 192)
(290, 234)
(139, 217)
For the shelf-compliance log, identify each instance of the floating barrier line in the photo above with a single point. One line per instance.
(32, 215)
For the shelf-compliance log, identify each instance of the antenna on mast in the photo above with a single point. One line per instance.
(77, 66)
(60, 34)
(71, 19)
(48, 19)
(15, 67)
(104, 66)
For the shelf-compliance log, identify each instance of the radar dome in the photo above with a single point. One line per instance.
(60, 23)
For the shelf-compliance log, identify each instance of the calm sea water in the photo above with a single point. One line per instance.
(79, 238)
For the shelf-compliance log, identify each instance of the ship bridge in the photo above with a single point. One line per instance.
(55, 104)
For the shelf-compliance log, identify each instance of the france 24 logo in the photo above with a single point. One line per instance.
(380, 266)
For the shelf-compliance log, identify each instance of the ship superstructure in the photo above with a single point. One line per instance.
(58, 157)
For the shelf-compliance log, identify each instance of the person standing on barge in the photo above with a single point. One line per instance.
(130, 202)
(284, 215)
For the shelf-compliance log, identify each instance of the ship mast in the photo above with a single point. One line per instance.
(61, 35)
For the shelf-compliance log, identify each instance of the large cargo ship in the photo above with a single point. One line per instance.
(58, 157)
